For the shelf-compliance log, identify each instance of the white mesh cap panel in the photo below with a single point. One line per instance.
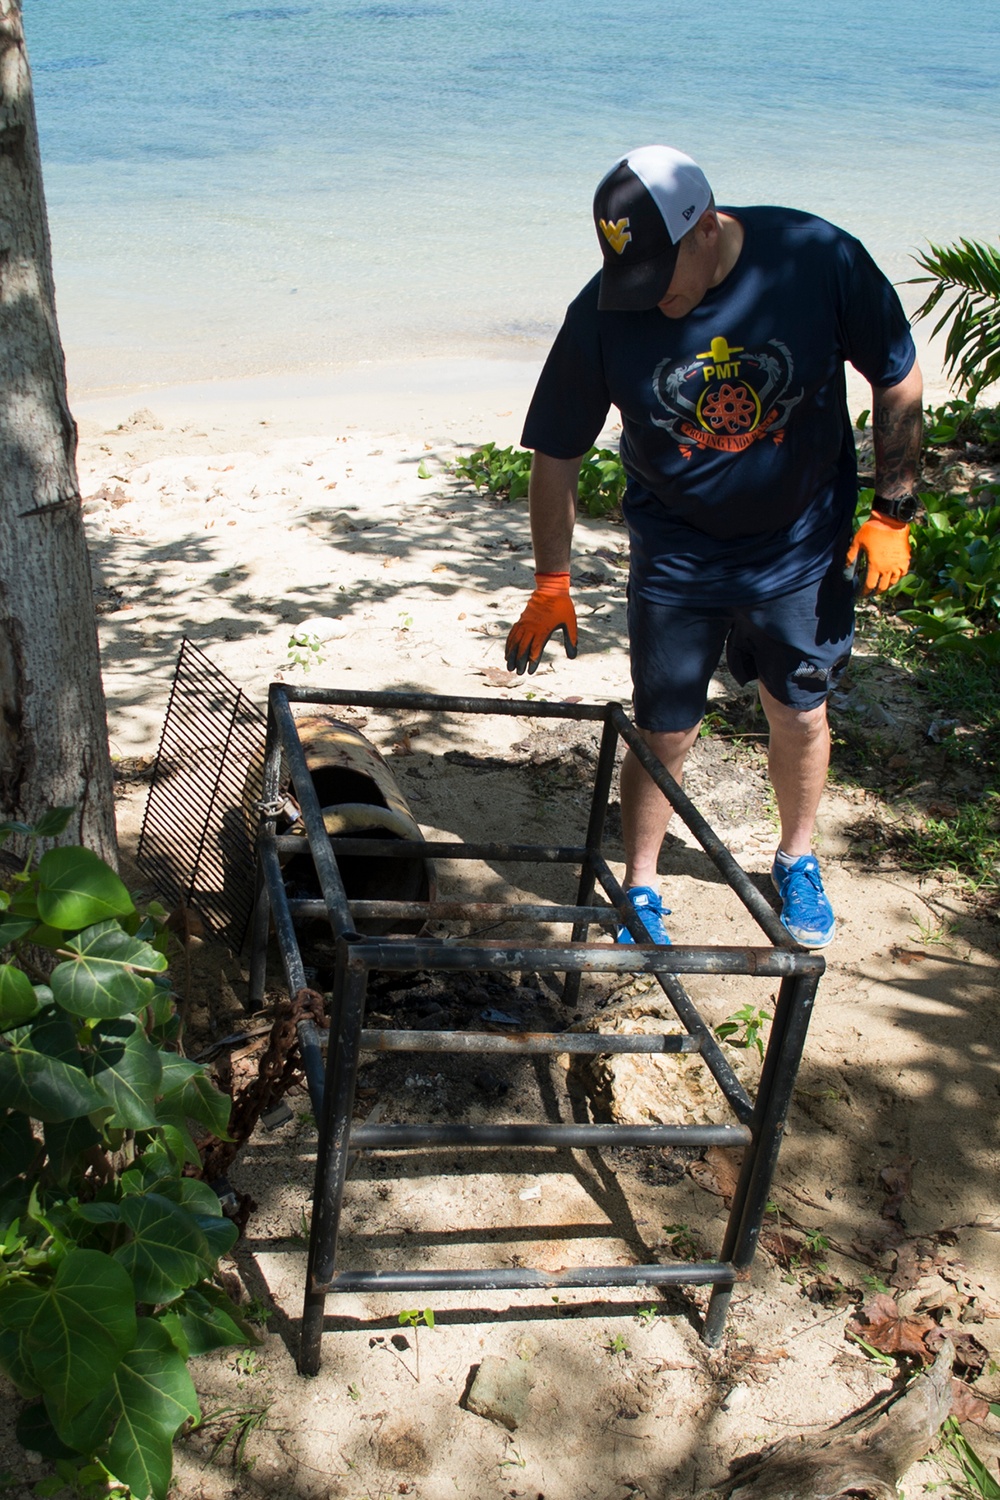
(677, 185)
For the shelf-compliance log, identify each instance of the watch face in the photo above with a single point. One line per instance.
(903, 509)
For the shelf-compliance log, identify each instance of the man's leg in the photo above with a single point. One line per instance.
(798, 760)
(645, 811)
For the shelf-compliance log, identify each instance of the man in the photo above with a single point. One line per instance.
(721, 337)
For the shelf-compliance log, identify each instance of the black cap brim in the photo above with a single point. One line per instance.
(637, 287)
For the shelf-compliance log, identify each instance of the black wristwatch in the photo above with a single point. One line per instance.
(903, 508)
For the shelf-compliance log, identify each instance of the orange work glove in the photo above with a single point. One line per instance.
(886, 545)
(550, 608)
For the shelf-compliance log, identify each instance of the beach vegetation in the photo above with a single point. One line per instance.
(964, 278)
(505, 474)
(109, 1239)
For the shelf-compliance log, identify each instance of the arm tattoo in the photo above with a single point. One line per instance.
(896, 432)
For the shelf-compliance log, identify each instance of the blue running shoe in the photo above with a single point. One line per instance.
(805, 909)
(651, 912)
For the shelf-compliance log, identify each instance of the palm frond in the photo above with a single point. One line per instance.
(970, 270)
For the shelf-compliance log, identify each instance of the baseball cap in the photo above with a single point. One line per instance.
(642, 209)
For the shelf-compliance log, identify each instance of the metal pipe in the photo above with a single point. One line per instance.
(521, 1043)
(284, 928)
(469, 911)
(334, 1125)
(444, 849)
(520, 1278)
(311, 1051)
(595, 832)
(312, 817)
(405, 955)
(732, 872)
(565, 1136)
(445, 703)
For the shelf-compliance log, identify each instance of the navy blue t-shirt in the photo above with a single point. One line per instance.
(736, 437)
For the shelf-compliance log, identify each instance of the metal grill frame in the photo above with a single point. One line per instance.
(331, 1080)
(195, 843)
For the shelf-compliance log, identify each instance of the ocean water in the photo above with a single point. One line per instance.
(239, 189)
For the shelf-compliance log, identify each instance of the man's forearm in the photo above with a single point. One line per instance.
(897, 425)
(552, 502)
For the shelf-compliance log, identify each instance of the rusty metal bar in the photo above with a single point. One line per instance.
(405, 954)
(290, 843)
(279, 913)
(312, 816)
(510, 708)
(565, 1136)
(520, 1278)
(521, 1043)
(468, 911)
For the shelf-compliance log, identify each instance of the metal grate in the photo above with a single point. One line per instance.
(195, 844)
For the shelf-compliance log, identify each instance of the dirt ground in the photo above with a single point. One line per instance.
(237, 534)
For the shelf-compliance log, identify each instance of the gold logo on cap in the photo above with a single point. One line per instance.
(617, 235)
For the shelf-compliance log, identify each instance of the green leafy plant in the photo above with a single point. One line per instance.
(415, 1319)
(505, 472)
(617, 1344)
(956, 423)
(683, 1241)
(968, 272)
(108, 1248)
(954, 581)
(305, 650)
(237, 1425)
(744, 1027)
(974, 1478)
(647, 1316)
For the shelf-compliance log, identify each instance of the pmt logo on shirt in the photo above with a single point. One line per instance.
(727, 397)
(617, 234)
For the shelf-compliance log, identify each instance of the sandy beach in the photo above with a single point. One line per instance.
(235, 514)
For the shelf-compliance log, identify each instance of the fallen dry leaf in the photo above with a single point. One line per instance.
(970, 1354)
(966, 1406)
(908, 955)
(497, 677)
(718, 1172)
(880, 1324)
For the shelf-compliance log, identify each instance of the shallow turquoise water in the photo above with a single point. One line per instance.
(234, 189)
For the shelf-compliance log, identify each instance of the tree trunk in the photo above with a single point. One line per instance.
(53, 728)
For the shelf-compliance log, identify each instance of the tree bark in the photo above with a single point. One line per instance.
(53, 726)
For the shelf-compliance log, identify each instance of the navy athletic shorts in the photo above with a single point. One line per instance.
(797, 645)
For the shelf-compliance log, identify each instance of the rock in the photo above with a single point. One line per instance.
(323, 627)
(500, 1391)
(672, 1088)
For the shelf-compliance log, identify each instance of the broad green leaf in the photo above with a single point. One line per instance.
(220, 1232)
(189, 1093)
(36, 1078)
(127, 1070)
(51, 824)
(17, 1146)
(196, 1326)
(12, 928)
(12, 1360)
(76, 889)
(65, 1140)
(108, 979)
(149, 1397)
(34, 1430)
(77, 1328)
(168, 1251)
(99, 1212)
(18, 1001)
